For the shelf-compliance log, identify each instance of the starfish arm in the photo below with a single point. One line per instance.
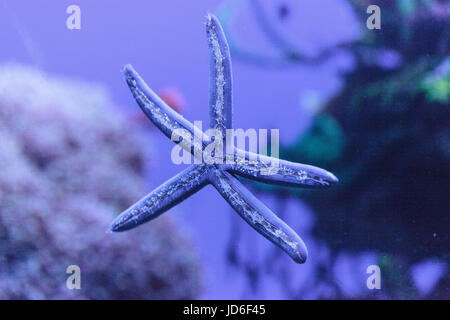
(280, 172)
(163, 198)
(221, 81)
(257, 215)
(162, 116)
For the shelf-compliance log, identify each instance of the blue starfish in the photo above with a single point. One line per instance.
(221, 176)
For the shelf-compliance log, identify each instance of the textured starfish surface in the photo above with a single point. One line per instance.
(221, 175)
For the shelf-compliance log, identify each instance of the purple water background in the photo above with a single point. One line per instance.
(165, 41)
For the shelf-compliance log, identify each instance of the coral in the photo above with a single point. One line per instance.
(395, 125)
(394, 137)
(69, 160)
(386, 136)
